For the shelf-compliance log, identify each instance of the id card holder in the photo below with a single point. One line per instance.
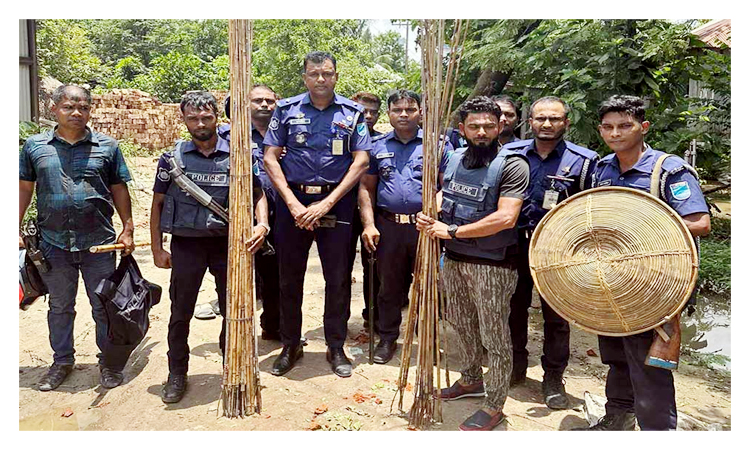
(337, 148)
(550, 199)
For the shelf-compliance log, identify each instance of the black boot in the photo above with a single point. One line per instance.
(384, 351)
(613, 422)
(554, 392)
(285, 361)
(174, 390)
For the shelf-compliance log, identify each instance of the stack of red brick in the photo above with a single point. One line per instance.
(139, 116)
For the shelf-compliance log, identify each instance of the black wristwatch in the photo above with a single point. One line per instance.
(452, 231)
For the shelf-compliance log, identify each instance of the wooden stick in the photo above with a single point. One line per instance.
(240, 381)
(114, 247)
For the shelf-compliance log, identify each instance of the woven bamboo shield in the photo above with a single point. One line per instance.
(614, 261)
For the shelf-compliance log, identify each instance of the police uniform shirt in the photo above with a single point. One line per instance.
(681, 190)
(540, 181)
(398, 167)
(317, 142)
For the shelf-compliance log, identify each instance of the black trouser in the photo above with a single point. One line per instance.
(556, 347)
(267, 282)
(634, 387)
(293, 247)
(191, 256)
(365, 255)
(397, 253)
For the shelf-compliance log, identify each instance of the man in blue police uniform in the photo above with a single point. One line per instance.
(262, 104)
(199, 236)
(79, 175)
(482, 194)
(393, 184)
(371, 104)
(635, 390)
(328, 148)
(558, 169)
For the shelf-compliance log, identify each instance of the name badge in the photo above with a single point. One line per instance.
(550, 199)
(385, 155)
(337, 148)
(299, 122)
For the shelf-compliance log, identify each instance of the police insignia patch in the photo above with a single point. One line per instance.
(162, 174)
(300, 138)
(274, 125)
(256, 169)
(361, 129)
(680, 191)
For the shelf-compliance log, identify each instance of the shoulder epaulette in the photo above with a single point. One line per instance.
(290, 100)
(379, 137)
(518, 145)
(582, 151)
(352, 104)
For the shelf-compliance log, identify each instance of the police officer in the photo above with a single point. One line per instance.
(482, 195)
(199, 237)
(511, 114)
(635, 390)
(328, 148)
(371, 104)
(262, 104)
(558, 169)
(393, 184)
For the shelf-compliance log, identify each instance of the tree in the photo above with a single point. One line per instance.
(66, 53)
(586, 61)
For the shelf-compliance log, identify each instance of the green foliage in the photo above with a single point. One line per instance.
(715, 273)
(586, 61)
(26, 130)
(65, 52)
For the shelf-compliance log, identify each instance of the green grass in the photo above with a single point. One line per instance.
(715, 273)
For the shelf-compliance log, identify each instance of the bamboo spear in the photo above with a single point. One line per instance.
(240, 382)
(438, 86)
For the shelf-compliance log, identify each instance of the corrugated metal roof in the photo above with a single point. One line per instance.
(716, 33)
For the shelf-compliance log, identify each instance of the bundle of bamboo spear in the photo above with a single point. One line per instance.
(240, 385)
(438, 86)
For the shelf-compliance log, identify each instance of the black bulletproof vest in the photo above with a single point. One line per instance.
(470, 195)
(181, 214)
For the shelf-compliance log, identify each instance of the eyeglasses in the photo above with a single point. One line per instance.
(552, 120)
(316, 75)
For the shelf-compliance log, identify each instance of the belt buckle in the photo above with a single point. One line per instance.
(313, 189)
(402, 218)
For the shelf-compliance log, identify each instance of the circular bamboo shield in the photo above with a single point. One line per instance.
(614, 261)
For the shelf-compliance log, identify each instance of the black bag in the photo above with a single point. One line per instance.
(127, 298)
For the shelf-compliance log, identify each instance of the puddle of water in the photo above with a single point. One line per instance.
(51, 421)
(708, 330)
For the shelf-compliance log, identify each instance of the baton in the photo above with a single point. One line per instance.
(371, 306)
(113, 247)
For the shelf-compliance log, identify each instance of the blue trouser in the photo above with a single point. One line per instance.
(267, 269)
(191, 256)
(634, 387)
(556, 347)
(397, 251)
(293, 247)
(62, 282)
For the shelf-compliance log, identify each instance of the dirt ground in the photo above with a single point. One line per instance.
(361, 402)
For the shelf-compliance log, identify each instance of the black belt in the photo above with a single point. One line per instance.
(311, 189)
(398, 218)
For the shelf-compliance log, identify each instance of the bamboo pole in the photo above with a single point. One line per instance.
(438, 86)
(240, 381)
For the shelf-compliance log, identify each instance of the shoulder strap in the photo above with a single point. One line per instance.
(656, 175)
(177, 152)
(453, 162)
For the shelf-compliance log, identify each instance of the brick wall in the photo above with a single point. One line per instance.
(139, 116)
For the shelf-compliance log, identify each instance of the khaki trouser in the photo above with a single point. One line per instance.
(478, 306)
